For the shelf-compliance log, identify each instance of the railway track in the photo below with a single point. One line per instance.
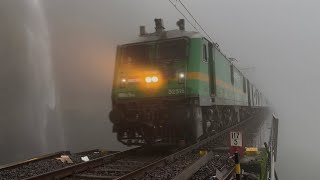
(140, 163)
(109, 166)
(117, 167)
(42, 164)
(183, 164)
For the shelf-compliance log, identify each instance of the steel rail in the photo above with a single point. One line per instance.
(80, 167)
(32, 160)
(164, 161)
(88, 152)
(229, 174)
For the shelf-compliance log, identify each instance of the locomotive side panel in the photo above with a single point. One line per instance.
(197, 74)
(224, 87)
(230, 83)
(239, 88)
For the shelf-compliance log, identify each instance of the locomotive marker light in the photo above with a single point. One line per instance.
(181, 77)
(123, 83)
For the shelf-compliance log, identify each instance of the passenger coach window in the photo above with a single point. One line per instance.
(205, 54)
(174, 49)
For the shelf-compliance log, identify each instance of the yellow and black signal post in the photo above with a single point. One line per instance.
(237, 165)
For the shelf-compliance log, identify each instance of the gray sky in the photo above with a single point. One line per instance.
(279, 38)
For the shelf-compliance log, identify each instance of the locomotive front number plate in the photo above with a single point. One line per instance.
(175, 91)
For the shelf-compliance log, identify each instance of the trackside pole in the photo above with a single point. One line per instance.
(237, 165)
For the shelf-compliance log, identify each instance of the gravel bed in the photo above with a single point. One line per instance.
(120, 167)
(220, 161)
(42, 166)
(172, 168)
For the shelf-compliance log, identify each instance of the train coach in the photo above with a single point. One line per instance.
(177, 85)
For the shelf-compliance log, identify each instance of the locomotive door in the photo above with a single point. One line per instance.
(249, 93)
(211, 69)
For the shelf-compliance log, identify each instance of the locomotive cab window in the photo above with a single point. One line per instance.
(135, 54)
(173, 49)
(204, 53)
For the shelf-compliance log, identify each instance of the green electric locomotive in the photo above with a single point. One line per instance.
(176, 85)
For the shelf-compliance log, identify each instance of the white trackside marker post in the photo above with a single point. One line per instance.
(235, 139)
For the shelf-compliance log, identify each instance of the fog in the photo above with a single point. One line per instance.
(57, 62)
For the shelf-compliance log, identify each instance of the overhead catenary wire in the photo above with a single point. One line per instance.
(175, 6)
(216, 44)
(194, 19)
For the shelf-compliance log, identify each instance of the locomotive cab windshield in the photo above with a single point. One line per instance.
(166, 51)
(135, 54)
(172, 50)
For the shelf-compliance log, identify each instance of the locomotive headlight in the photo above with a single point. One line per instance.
(181, 75)
(155, 79)
(123, 80)
(148, 79)
(152, 79)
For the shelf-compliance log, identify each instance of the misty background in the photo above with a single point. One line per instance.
(57, 57)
